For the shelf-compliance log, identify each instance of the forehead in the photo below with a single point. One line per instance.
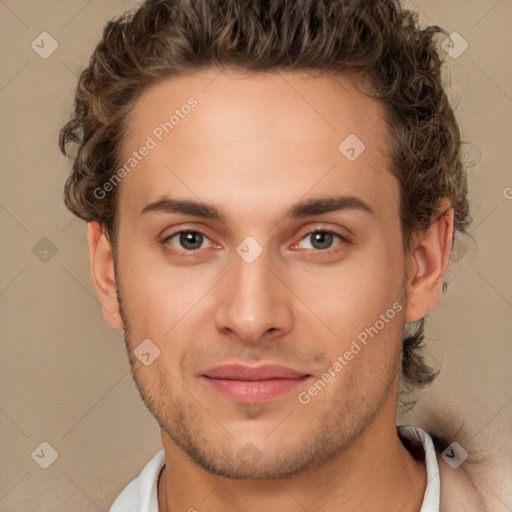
(231, 135)
(289, 104)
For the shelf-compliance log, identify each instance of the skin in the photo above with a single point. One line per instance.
(255, 145)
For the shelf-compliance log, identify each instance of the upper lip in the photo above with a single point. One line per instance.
(254, 373)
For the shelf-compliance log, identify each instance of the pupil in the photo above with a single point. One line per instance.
(191, 240)
(322, 240)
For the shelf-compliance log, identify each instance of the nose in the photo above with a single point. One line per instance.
(253, 302)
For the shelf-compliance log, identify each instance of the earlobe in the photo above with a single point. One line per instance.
(427, 264)
(102, 271)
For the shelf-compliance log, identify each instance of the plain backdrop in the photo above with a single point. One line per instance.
(65, 377)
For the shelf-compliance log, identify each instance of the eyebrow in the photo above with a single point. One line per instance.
(314, 206)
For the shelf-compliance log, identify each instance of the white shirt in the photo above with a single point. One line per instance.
(140, 495)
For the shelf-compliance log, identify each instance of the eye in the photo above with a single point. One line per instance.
(187, 240)
(322, 240)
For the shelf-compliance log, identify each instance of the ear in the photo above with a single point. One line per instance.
(103, 275)
(427, 263)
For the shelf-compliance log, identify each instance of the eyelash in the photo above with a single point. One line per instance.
(194, 253)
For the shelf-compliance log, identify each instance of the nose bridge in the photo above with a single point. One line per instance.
(253, 302)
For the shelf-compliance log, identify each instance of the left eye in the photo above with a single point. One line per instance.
(189, 240)
(321, 240)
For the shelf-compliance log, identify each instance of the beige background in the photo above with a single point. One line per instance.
(64, 374)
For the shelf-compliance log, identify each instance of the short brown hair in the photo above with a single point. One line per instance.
(377, 41)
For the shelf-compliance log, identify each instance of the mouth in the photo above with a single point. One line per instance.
(253, 385)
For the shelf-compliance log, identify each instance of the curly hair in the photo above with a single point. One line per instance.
(395, 61)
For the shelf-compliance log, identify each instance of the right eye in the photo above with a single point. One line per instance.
(185, 241)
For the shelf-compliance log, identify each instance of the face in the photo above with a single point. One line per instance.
(263, 260)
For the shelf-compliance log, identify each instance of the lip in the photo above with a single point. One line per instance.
(253, 384)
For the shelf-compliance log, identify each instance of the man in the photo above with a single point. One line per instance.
(271, 191)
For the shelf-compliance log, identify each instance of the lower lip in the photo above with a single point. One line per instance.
(254, 391)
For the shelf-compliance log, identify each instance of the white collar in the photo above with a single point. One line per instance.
(141, 493)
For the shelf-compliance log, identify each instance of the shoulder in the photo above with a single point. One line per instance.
(450, 488)
(459, 489)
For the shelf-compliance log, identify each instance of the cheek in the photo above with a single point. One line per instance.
(352, 294)
(157, 296)
(142, 289)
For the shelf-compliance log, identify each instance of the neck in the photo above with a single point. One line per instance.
(375, 473)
